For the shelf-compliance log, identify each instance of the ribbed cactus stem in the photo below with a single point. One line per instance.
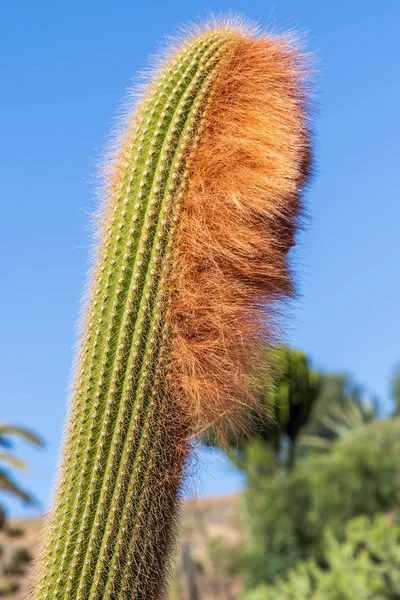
(108, 532)
(200, 211)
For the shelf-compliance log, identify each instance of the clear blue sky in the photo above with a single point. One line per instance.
(64, 71)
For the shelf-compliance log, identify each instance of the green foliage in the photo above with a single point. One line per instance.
(294, 390)
(341, 407)
(288, 512)
(8, 461)
(289, 398)
(365, 565)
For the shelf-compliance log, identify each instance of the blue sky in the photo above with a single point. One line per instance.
(64, 72)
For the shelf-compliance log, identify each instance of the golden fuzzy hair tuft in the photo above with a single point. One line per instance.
(243, 207)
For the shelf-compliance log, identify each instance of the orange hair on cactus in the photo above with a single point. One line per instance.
(240, 217)
(202, 205)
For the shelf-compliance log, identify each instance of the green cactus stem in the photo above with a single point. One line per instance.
(111, 528)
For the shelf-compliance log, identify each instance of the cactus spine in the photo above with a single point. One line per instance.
(111, 526)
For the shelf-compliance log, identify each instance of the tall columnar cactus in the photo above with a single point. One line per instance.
(201, 208)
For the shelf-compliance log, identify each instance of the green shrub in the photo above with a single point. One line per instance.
(364, 566)
(288, 512)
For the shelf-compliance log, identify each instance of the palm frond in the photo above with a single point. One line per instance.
(8, 485)
(13, 461)
(26, 434)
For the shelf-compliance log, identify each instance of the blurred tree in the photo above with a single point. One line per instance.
(293, 395)
(305, 411)
(287, 512)
(288, 396)
(293, 492)
(8, 461)
(340, 408)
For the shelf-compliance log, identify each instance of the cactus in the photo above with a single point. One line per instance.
(202, 202)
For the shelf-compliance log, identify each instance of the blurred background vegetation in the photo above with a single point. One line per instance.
(14, 554)
(318, 517)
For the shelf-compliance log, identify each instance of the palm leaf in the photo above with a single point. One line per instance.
(13, 461)
(349, 414)
(26, 434)
(8, 485)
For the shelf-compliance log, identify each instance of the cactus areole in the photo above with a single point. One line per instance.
(202, 203)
